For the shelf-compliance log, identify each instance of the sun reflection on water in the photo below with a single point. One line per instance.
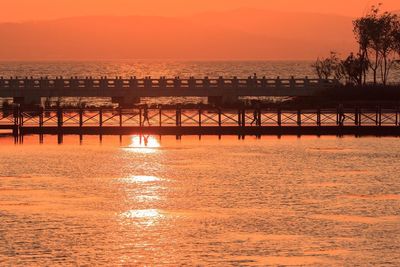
(145, 217)
(139, 179)
(149, 213)
(145, 144)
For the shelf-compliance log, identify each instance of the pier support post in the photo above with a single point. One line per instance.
(379, 117)
(359, 117)
(219, 117)
(60, 120)
(299, 117)
(356, 116)
(120, 116)
(243, 117)
(319, 117)
(279, 119)
(16, 116)
(41, 111)
(397, 116)
(80, 117)
(200, 112)
(178, 117)
(160, 116)
(21, 117)
(101, 117)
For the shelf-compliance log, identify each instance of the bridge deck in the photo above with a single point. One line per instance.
(228, 130)
(165, 87)
(7, 127)
(379, 121)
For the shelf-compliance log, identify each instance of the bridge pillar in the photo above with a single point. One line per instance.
(222, 100)
(126, 101)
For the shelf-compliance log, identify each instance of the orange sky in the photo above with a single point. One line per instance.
(185, 29)
(20, 10)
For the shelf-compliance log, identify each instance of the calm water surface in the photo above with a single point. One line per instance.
(253, 202)
(184, 69)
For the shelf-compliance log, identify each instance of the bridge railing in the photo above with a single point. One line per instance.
(161, 83)
(201, 117)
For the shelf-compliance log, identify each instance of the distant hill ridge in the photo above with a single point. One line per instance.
(238, 34)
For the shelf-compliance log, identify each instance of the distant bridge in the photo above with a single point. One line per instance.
(128, 91)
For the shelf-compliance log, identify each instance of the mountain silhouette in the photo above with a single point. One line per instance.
(238, 34)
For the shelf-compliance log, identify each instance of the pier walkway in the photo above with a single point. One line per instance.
(207, 121)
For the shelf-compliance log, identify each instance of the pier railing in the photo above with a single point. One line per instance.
(202, 117)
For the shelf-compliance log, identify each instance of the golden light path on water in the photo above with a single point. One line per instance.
(148, 190)
(143, 144)
(145, 217)
(141, 179)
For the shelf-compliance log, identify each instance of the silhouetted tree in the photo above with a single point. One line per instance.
(329, 67)
(353, 69)
(396, 37)
(361, 31)
(375, 36)
(367, 30)
(388, 24)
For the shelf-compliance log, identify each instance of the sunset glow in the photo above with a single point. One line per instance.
(21, 10)
(199, 30)
(199, 132)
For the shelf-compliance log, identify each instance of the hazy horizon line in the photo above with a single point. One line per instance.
(152, 60)
(183, 16)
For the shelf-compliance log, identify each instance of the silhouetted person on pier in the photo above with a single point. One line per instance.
(235, 82)
(256, 118)
(342, 116)
(206, 82)
(162, 82)
(146, 115)
(255, 80)
(192, 82)
(177, 82)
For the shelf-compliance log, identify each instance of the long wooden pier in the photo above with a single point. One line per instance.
(130, 90)
(203, 121)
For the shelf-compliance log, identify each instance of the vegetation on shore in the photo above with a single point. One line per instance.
(378, 36)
